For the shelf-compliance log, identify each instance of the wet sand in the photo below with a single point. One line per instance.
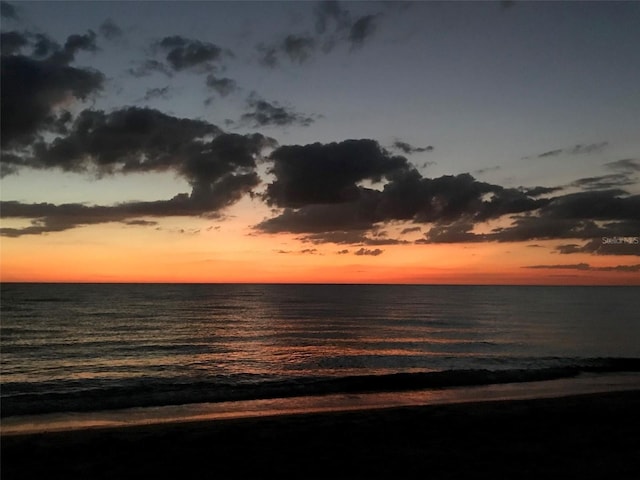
(583, 437)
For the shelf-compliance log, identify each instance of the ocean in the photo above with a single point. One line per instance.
(95, 347)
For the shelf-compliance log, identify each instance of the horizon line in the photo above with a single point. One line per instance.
(35, 282)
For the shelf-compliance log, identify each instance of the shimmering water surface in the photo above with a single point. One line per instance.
(94, 346)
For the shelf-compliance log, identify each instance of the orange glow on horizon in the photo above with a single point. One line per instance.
(233, 254)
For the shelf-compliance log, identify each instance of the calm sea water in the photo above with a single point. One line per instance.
(68, 347)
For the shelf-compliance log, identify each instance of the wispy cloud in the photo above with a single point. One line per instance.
(158, 92)
(603, 182)
(183, 53)
(110, 30)
(407, 148)
(223, 86)
(627, 165)
(368, 252)
(587, 267)
(334, 26)
(261, 113)
(577, 149)
(8, 11)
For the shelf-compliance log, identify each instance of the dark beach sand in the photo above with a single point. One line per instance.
(578, 437)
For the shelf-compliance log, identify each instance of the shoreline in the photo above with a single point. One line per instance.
(169, 414)
(578, 436)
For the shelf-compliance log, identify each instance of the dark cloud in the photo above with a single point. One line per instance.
(627, 165)
(602, 246)
(342, 252)
(318, 186)
(110, 30)
(410, 230)
(8, 11)
(569, 248)
(34, 88)
(371, 252)
(449, 198)
(458, 232)
(225, 153)
(585, 215)
(127, 139)
(482, 171)
(86, 42)
(327, 173)
(220, 192)
(268, 55)
(551, 153)
(361, 30)
(334, 26)
(573, 266)
(408, 149)
(526, 228)
(11, 164)
(262, 113)
(620, 268)
(220, 167)
(47, 218)
(153, 93)
(427, 164)
(322, 219)
(12, 42)
(141, 223)
(148, 67)
(43, 46)
(587, 267)
(589, 148)
(344, 224)
(598, 205)
(350, 237)
(183, 53)
(305, 251)
(621, 239)
(74, 44)
(604, 182)
(223, 86)
(298, 48)
(537, 191)
(32, 93)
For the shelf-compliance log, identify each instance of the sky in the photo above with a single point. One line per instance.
(323, 142)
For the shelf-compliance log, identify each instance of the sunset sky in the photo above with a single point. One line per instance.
(334, 142)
